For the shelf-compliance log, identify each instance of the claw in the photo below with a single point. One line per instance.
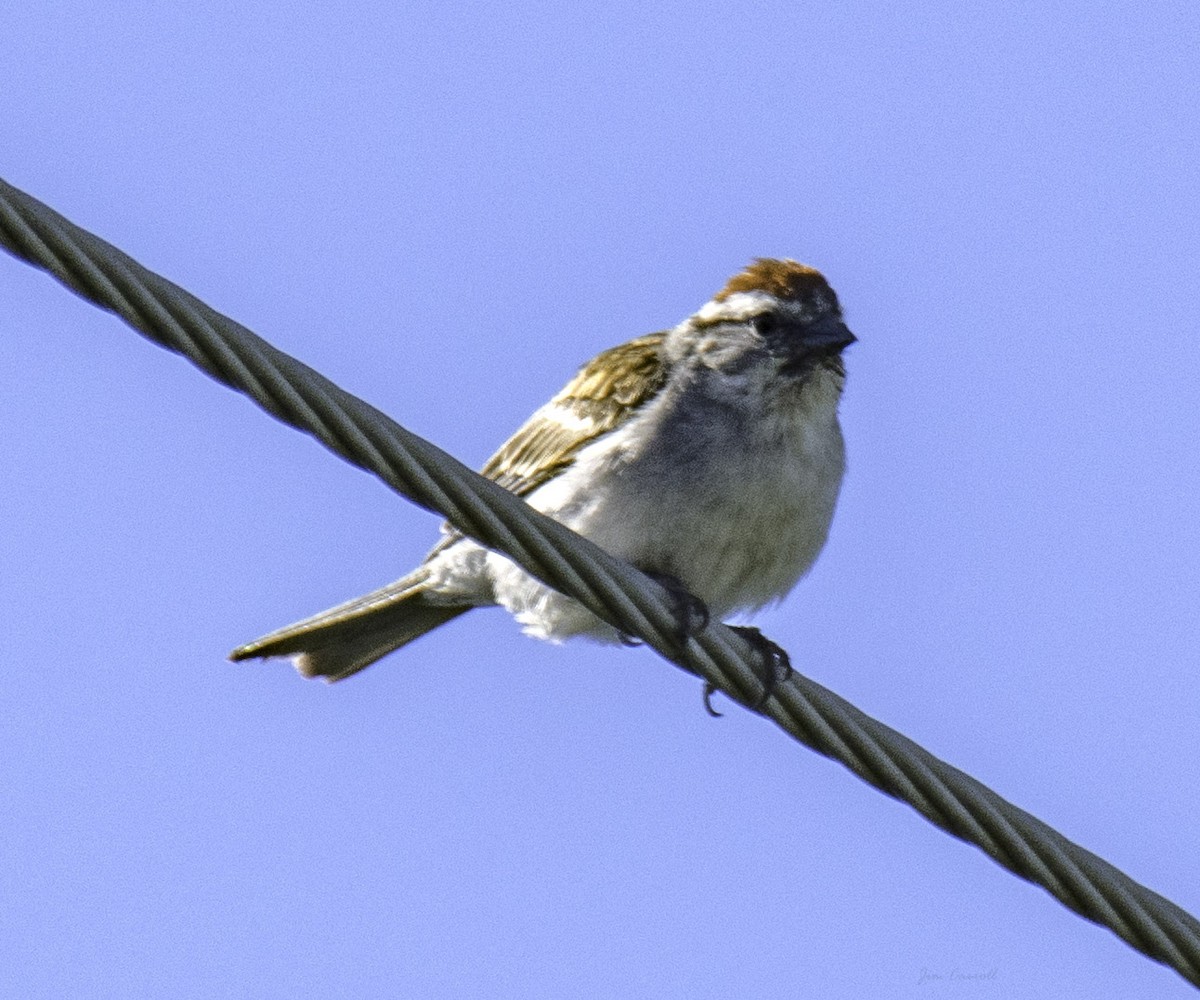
(709, 691)
(691, 613)
(775, 664)
(774, 667)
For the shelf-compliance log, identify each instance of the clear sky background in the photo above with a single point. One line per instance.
(447, 208)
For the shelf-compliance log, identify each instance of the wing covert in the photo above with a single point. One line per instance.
(603, 394)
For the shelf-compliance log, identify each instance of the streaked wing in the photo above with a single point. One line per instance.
(605, 392)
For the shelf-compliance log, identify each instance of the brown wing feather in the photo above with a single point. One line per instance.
(605, 392)
(601, 396)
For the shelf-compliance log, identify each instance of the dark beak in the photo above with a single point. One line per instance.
(813, 343)
(830, 336)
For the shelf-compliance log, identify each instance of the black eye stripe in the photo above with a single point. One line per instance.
(765, 323)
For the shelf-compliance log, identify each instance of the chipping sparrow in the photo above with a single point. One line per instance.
(708, 455)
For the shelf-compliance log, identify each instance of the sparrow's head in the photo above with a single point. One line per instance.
(776, 319)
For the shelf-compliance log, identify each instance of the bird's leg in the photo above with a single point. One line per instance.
(691, 613)
(774, 667)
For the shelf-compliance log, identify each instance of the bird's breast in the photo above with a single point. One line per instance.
(735, 505)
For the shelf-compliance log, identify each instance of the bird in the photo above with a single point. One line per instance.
(709, 455)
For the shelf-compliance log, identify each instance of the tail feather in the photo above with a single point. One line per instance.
(345, 639)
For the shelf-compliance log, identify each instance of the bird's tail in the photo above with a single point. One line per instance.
(344, 640)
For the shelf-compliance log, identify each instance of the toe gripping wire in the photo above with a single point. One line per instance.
(630, 601)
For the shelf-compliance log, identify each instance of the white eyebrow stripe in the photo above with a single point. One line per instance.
(738, 306)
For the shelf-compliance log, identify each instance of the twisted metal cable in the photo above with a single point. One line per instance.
(610, 588)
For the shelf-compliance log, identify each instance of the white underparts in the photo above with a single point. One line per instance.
(726, 481)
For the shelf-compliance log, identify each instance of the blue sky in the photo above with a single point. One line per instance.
(447, 209)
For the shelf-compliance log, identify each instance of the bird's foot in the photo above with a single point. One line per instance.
(691, 613)
(773, 667)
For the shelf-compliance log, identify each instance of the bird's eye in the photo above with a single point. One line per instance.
(764, 323)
